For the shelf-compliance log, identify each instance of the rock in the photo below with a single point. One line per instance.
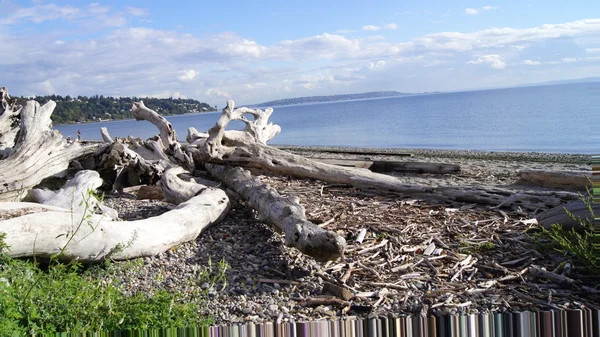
(150, 193)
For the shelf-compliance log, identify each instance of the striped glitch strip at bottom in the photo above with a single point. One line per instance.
(567, 323)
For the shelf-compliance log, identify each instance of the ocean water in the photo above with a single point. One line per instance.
(561, 118)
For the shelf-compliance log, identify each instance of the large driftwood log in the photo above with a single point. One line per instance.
(38, 152)
(40, 230)
(284, 214)
(577, 180)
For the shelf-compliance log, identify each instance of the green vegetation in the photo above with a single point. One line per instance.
(36, 300)
(88, 109)
(208, 277)
(576, 247)
(476, 248)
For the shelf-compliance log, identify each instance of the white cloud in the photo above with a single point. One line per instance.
(215, 93)
(495, 61)
(41, 13)
(139, 59)
(371, 27)
(188, 75)
(568, 59)
(345, 31)
(389, 26)
(475, 11)
(375, 65)
(471, 11)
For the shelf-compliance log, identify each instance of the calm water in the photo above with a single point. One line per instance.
(553, 118)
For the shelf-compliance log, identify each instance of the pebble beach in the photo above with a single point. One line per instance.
(417, 256)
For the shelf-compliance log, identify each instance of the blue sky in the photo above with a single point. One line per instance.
(253, 51)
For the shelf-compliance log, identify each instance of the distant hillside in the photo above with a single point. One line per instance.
(331, 98)
(83, 109)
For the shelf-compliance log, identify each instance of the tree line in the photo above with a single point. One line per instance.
(83, 109)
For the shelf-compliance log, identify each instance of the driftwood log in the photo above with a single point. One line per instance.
(574, 180)
(39, 230)
(284, 214)
(579, 211)
(38, 152)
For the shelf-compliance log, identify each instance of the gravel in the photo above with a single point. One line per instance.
(264, 280)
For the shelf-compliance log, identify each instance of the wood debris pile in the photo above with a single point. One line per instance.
(436, 258)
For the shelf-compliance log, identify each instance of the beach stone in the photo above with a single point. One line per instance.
(150, 192)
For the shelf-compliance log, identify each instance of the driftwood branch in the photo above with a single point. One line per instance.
(285, 214)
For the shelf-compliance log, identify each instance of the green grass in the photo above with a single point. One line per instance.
(68, 298)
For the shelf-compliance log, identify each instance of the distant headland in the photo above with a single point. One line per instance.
(332, 98)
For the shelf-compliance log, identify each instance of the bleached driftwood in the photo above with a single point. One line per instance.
(105, 135)
(41, 230)
(177, 190)
(248, 149)
(284, 214)
(8, 131)
(577, 180)
(38, 152)
(167, 134)
(119, 167)
(76, 195)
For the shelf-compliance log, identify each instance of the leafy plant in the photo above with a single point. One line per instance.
(576, 247)
(212, 274)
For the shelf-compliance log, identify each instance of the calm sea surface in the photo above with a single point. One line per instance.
(553, 118)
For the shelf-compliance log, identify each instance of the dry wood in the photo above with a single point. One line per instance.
(536, 271)
(105, 135)
(38, 152)
(557, 179)
(40, 230)
(285, 214)
(76, 195)
(177, 190)
(558, 215)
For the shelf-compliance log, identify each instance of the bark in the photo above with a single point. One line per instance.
(40, 230)
(38, 152)
(284, 214)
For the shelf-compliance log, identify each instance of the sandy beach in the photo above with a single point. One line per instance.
(417, 256)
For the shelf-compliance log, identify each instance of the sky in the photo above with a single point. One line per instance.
(255, 51)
